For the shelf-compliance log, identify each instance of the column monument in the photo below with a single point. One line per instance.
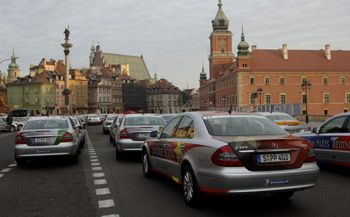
(66, 91)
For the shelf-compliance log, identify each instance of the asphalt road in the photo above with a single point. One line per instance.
(58, 188)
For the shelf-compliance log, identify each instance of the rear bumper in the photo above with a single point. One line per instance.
(129, 145)
(41, 151)
(239, 180)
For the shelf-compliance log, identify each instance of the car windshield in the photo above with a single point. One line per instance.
(168, 117)
(242, 126)
(139, 121)
(281, 117)
(111, 117)
(46, 124)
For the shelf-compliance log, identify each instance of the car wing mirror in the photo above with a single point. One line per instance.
(153, 134)
(314, 130)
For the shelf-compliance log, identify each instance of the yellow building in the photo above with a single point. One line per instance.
(79, 96)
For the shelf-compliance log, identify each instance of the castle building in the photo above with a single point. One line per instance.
(317, 80)
(13, 70)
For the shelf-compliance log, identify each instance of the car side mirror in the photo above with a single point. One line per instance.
(153, 134)
(314, 130)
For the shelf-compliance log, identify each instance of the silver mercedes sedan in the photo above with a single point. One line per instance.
(46, 137)
(221, 153)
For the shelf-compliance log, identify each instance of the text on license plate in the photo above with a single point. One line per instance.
(44, 139)
(143, 135)
(268, 158)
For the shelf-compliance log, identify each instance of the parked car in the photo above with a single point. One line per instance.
(93, 119)
(168, 117)
(114, 126)
(331, 140)
(286, 122)
(3, 124)
(108, 123)
(134, 129)
(81, 130)
(47, 137)
(19, 122)
(227, 154)
(103, 117)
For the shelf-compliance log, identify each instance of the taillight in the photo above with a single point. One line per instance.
(68, 137)
(311, 157)
(124, 134)
(19, 139)
(226, 157)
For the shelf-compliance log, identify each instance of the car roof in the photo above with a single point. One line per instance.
(45, 117)
(142, 115)
(221, 113)
(272, 113)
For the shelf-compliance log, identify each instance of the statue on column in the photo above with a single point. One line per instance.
(66, 32)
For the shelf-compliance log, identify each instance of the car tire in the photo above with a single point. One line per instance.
(118, 155)
(190, 187)
(21, 162)
(13, 129)
(282, 195)
(146, 165)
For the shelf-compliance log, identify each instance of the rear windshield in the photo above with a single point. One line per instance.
(46, 124)
(242, 126)
(280, 117)
(142, 121)
(93, 116)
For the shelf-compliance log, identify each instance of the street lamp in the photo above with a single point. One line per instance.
(260, 91)
(305, 86)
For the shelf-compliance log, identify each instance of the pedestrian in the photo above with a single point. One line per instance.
(9, 122)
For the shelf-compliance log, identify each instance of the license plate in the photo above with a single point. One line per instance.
(44, 139)
(143, 135)
(271, 158)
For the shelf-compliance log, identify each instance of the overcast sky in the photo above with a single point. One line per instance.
(171, 35)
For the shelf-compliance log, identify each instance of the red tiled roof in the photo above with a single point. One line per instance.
(300, 61)
(164, 85)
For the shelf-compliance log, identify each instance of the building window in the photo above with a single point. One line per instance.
(46, 90)
(51, 90)
(78, 101)
(303, 80)
(72, 101)
(345, 110)
(267, 80)
(347, 97)
(26, 100)
(326, 98)
(283, 98)
(222, 50)
(342, 80)
(304, 98)
(62, 86)
(26, 90)
(325, 111)
(72, 93)
(51, 99)
(325, 80)
(83, 101)
(37, 100)
(252, 98)
(10, 90)
(281, 80)
(267, 99)
(36, 90)
(252, 80)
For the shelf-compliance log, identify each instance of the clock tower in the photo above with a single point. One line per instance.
(221, 55)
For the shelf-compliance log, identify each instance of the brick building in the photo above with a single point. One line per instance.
(264, 76)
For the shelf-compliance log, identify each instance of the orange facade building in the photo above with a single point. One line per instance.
(266, 77)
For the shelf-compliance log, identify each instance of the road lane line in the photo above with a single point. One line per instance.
(1, 175)
(98, 175)
(96, 168)
(6, 170)
(105, 203)
(100, 181)
(102, 191)
(95, 164)
(12, 165)
(112, 215)
(93, 156)
(94, 160)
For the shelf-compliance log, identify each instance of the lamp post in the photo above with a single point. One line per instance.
(260, 91)
(306, 85)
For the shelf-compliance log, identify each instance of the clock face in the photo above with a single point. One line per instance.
(222, 42)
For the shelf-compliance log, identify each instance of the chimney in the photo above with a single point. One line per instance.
(285, 51)
(328, 52)
(254, 47)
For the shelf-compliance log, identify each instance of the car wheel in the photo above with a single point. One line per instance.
(13, 128)
(282, 195)
(190, 187)
(146, 165)
(118, 155)
(21, 162)
(19, 127)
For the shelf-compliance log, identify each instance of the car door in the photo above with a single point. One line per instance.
(333, 136)
(178, 145)
(158, 148)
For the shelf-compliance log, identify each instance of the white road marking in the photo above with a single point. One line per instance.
(112, 215)
(94, 160)
(12, 165)
(98, 175)
(95, 164)
(95, 156)
(102, 191)
(5, 170)
(105, 203)
(96, 168)
(100, 181)
(1, 175)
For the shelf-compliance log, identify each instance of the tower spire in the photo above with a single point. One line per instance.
(220, 21)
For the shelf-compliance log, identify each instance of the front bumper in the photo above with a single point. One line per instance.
(41, 151)
(239, 180)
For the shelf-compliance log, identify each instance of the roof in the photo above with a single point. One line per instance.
(300, 61)
(163, 86)
(37, 79)
(138, 69)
